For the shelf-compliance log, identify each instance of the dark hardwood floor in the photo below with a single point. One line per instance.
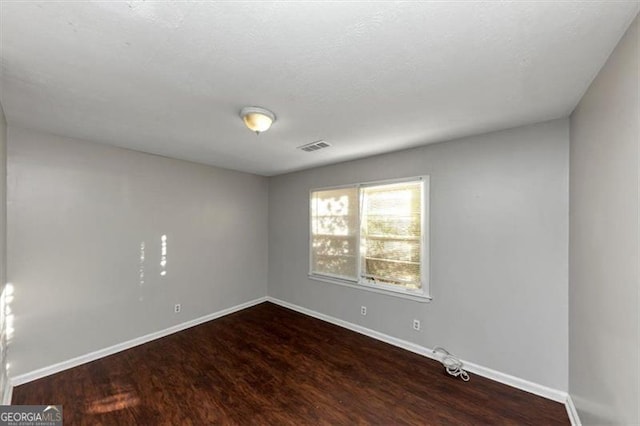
(270, 365)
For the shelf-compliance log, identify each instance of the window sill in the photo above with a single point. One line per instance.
(422, 298)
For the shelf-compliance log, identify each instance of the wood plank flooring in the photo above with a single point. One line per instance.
(270, 365)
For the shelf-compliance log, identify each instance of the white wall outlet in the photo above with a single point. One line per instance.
(177, 308)
(416, 325)
(363, 310)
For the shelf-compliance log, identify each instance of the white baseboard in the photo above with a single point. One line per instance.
(572, 412)
(83, 359)
(507, 379)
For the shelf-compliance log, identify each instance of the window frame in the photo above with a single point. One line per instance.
(423, 294)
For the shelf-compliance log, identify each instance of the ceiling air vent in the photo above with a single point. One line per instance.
(314, 146)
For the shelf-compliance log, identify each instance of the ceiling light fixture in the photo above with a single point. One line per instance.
(257, 119)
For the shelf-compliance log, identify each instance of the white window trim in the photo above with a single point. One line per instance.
(422, 295)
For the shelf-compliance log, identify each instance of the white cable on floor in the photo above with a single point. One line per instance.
(452, 364)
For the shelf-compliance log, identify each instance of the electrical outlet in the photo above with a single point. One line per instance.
(177, 308)
(416, 325)
(363, 310)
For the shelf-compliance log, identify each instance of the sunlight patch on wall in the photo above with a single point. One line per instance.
(163, 255)
(141, 271)
(6, 328)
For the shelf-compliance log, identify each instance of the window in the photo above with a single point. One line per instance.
(373, 235)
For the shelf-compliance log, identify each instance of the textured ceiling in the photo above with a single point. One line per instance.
(170, 77)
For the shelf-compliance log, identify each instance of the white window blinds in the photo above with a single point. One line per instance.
(391, 234)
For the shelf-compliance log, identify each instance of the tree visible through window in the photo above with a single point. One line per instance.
(372, 234)
(334, 229)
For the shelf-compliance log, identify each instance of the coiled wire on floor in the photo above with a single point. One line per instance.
(452, 364)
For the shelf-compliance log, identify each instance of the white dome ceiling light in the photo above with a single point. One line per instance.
(257, 119)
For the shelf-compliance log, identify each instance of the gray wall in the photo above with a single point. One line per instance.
(78, 213)
(604, 286)
(499, 241)
(4, 298)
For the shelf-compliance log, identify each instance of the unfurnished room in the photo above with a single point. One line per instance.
(319, 212)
